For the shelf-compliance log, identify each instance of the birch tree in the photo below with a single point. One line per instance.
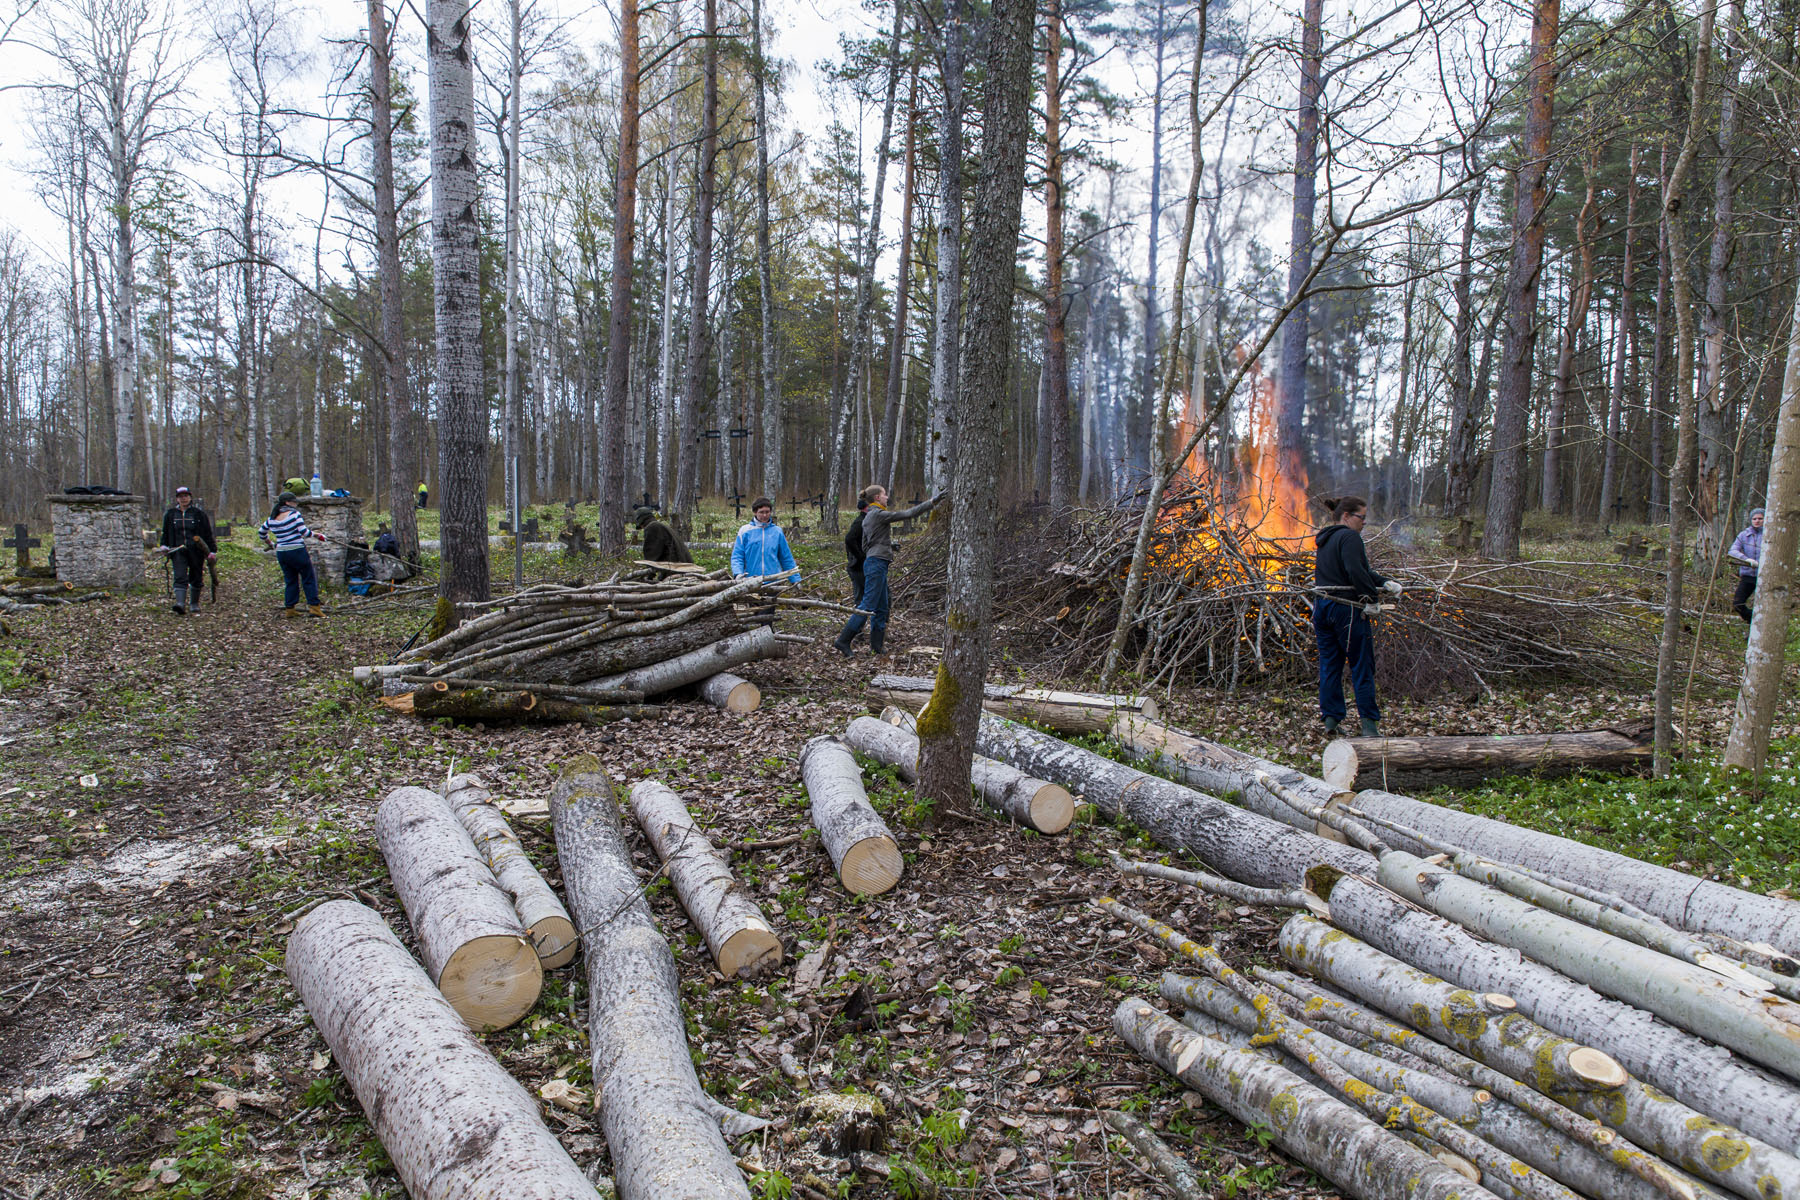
(765, 271)
(699, 340)
(397, 387)
(611, 540)
(946, 360)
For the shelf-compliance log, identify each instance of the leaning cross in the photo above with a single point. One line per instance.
(23, 544)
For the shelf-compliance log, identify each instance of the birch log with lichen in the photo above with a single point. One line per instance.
(752, 645)
(1694, 1141)
(734, 927)
(455, 1125)
(1222, 770)
(862, 848)
(1034, 803)
(1320, 1131)
(546, 921)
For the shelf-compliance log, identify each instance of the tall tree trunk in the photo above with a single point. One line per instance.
(398, 388)
(660, 432)
(1056, 340)
(765, 271)
(611, 540)
(125, 320)
(462, 416)
(1659, 361)
(947, 733)
(514, 424)
(1290, 380)
(946, 364)
(1713, 491)
(1465, 421)
(1622, 343)
(1506, 488)
(699, 341)
(1554, 432)
(1686, 448)
(1146, 432)
(850, 384)
(1748, 747)
(897, 364)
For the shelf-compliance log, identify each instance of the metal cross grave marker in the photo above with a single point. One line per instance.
(23, 544)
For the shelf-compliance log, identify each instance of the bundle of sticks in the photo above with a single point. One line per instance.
(26, 593)
(595, 652)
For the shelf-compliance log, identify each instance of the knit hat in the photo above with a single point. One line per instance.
(644, 515)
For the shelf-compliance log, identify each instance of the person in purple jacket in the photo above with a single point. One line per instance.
(1746, 551)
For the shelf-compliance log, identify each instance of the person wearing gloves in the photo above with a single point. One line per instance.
(878, 555)
(187, 538)
(1746, 551)
(1343, 582)
(288, 529)
(761, 548)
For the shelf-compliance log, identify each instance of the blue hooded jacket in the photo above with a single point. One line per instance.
(761, 550)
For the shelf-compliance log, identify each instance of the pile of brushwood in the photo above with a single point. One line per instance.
(1468, 1008)
(25, 592)
(1224, 606)
(595, 653)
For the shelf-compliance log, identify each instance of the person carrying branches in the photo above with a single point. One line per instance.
(187, 538)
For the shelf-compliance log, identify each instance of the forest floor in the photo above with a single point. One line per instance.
(176, 791)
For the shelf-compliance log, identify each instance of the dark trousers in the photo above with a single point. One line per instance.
(856, 585)
(1745, 589)
(297, 572)
(874, 597)
(188, 570)
(1345, 637)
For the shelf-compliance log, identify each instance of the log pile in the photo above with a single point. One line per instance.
(593, 653)
(24, 592)
(1471, 1011)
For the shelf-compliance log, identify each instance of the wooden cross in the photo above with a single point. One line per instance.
(530, 527)
(22, 544)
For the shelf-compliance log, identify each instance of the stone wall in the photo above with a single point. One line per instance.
(339, 518)
(99, 539)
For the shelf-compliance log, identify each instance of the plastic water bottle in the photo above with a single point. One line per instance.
(318, 485)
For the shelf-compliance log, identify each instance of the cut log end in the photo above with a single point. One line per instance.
(744, 697)
(748, 951)
(492, 981)
(1597, 1067)
(1052, 808)
(1339, 765)
(871, 867)
(556, 942)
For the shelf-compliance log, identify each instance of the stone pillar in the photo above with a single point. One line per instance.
(99, 539)
(339, 518)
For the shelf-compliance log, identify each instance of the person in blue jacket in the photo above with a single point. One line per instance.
(761, 548)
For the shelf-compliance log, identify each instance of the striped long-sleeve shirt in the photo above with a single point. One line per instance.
(288, 529)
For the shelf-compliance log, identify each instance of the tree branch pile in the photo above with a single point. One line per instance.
(1225, 607)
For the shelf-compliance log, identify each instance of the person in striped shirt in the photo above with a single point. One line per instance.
(288, 529)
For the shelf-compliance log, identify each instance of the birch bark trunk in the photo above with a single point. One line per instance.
(1034, 803)
(652, 679)
(946, 365)
(1714, 483)
(862, 848)
(546, 921)
(1623, 343)
(616, 427)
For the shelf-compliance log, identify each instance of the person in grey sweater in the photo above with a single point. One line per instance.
(878, 552)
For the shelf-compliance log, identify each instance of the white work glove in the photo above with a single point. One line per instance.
(1392, 587)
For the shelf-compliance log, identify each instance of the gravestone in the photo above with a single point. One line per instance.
(22, 544)
(99, 539)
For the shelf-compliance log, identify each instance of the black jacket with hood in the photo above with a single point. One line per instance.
(1341, 564)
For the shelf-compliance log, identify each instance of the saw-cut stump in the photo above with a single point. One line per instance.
(1035, 803)
(1065, 712)
(734, 928)
(842, 1124)
(454, 1123)
(470, 937)
(545, 919)
(663, 1133)
(1352, 764)
(861, 846)
(731, 693)
(753, 645)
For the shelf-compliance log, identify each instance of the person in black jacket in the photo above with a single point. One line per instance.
(1344, 582)
(853, 553)
(661, 544)
(187, 537)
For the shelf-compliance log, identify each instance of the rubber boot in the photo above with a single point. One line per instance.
(194, 598)
(178, 607)
(842, 644)
(1331, 725)
(317, 610)
(876, 639)
(1368, 728)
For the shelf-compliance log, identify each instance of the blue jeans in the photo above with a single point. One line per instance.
(875, 599)
(1344, 636)
(297, 570)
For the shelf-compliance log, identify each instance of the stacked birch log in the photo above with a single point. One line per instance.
(1515, 1015)
(594, 653)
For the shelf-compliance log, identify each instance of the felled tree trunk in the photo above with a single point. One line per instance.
(1065, 712)
(1045, 807)
(545, 919)
(1697, 1141)
(861, 846)
(516, 706)
(586, 662)
(1332, 1138)
(752, 645)
(664, 1138)
(1351, 764)
(1761, 1027)
(734, 928)
(1222, 770)
(454, 1123)
(1236, 843)
(1695, 905)
(731, 693)
(470, 937)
